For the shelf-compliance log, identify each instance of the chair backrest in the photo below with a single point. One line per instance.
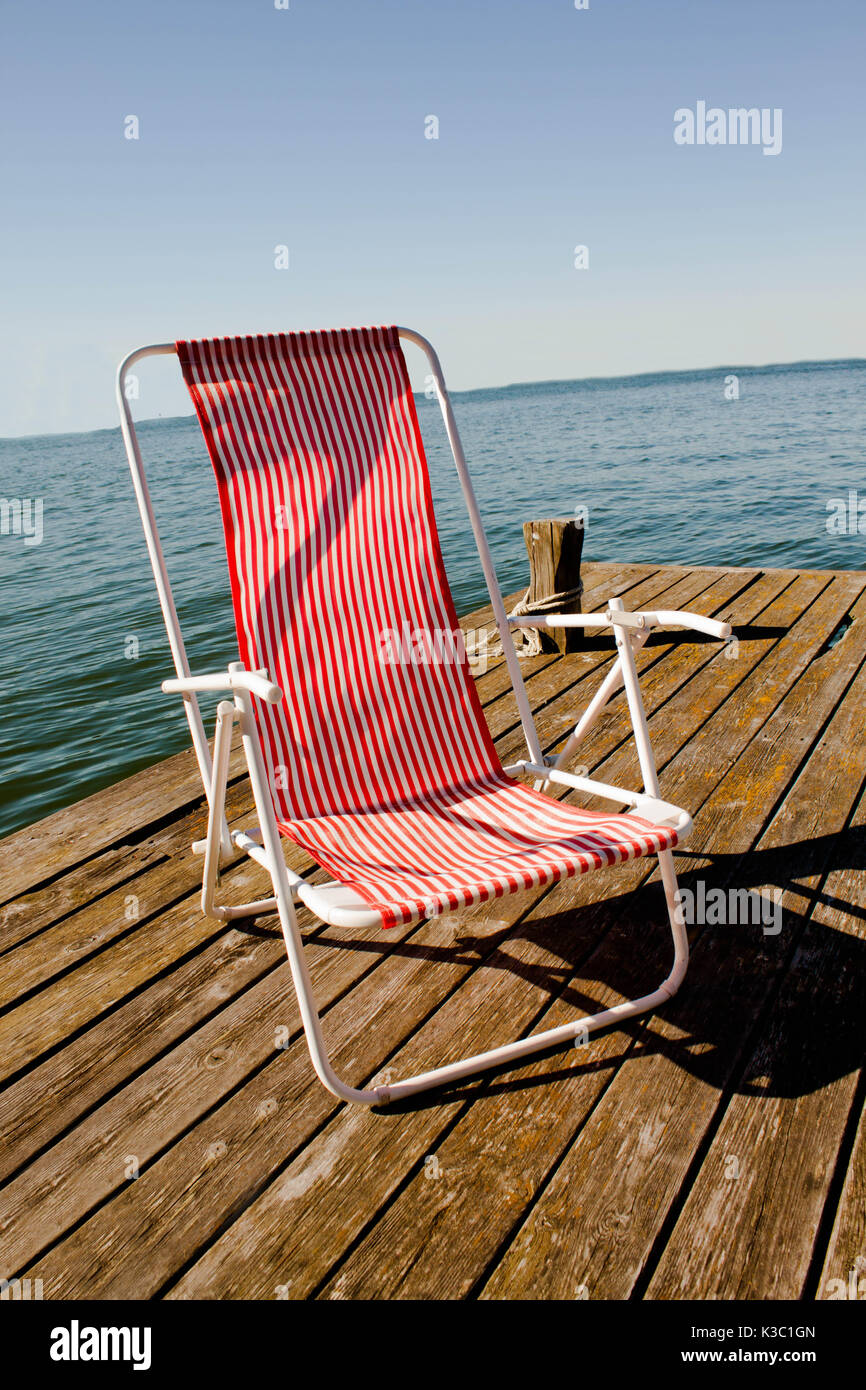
(337, 580)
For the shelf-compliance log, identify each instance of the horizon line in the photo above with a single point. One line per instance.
(505, 386)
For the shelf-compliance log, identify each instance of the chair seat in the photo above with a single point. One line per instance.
(468, 844)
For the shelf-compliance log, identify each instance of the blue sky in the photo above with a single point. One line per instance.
(305, 127)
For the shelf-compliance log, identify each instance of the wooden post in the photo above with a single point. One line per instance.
(555, 548)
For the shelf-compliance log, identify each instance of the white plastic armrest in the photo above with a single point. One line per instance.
(256, 682)
(622, 618)
(669, 617)
(555, 620)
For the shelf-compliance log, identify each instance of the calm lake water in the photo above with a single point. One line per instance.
(670, 470)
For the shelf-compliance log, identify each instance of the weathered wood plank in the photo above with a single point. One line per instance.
(625, 1190)
(748, 1225)
(470, 1216)
(84, 934)
(487, 1215)
(92, 1161)
(846, 1250)
(161, 882)
(43, 1103)
(45, 1019)
(49, 1099)
(196, 1212)
(230, 1258)
(236, 1139)
(24, 917)
(40, 852)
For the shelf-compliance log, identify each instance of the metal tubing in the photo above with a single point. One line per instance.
(218, 844)
(667, 617)
(537, 1042)
(237, 677)
(620, 617)
(157, 559)
(286, 909)
(610, 684)
(678, 928)
(635, 707)
(511, 660)
(250, 909)
(608, 792)
(582, 1027)
(558, 620)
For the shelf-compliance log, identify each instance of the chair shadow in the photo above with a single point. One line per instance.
(769, 1013)
(677, 637)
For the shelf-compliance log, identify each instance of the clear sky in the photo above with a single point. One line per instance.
(305, 127)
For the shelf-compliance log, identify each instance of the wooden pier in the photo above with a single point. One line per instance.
(162, 1134)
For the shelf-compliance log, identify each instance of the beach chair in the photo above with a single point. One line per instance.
(360, 720)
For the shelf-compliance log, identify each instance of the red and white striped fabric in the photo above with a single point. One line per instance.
(379, 758)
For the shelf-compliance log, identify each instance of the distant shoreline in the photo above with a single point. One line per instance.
(545, 384)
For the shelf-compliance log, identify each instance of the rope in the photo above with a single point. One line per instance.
(479, 648)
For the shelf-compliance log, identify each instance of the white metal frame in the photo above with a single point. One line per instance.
(334, 903)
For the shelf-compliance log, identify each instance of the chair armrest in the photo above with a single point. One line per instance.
(555, 620)
(669, 617)
(256, 682)
(622, 618)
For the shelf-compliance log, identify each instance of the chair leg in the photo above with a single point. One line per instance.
(510, 1052)
(611, 683)
(218, 844)
(523, 1047)
(277, 868)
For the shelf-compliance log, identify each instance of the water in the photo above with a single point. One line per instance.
(670, 471)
